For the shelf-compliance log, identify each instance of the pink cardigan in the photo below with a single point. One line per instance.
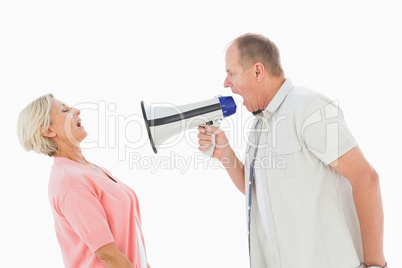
(90, 211)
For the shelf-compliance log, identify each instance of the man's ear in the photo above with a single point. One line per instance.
(259, 71)
(48, 132)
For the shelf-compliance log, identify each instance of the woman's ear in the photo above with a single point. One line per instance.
(48, 132)
(259, 71)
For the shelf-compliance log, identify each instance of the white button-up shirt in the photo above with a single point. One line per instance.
(302, 212)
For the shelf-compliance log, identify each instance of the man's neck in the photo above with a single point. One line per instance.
(270, 89)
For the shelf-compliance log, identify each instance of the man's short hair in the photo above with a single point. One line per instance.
(254, 48)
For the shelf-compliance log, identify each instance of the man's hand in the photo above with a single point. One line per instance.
(224, 153)
(222, 147)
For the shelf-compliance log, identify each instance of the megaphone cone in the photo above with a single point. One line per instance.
(151, 139)
(164, 122)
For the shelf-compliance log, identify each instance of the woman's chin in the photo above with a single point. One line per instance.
(83, 136)
(78, 138)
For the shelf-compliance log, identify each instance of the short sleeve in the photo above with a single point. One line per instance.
(87, 217)
(325, 133)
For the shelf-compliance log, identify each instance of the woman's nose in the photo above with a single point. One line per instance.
(76, 112)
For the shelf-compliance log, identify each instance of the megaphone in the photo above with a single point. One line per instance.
(165, 122)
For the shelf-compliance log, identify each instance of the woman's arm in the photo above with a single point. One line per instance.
(112, 257)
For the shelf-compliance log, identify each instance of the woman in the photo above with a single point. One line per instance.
(97, 217)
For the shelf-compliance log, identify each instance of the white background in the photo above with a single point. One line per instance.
(118, 53)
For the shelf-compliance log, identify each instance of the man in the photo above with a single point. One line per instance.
(312, 199)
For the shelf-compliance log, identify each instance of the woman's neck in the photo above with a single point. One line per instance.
(74, 154)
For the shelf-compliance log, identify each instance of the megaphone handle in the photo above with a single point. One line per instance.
(215, 123)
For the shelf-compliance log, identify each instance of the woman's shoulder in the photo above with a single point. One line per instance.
(66, 174)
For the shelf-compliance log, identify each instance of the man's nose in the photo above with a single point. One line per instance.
(227, 82)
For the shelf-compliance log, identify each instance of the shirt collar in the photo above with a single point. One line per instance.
(279, 97)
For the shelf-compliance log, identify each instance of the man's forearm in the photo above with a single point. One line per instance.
(367, 197)
(235, 169)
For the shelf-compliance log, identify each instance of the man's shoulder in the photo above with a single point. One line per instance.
(304, 99)
(305, 94)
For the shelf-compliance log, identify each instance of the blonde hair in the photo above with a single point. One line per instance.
(254, 48)
(32, 120)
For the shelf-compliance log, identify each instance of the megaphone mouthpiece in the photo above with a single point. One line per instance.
(228, 105)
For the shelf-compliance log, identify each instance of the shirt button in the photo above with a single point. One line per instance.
(249, 207)
(249, 182)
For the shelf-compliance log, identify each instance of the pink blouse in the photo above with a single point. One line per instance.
(90, 211)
